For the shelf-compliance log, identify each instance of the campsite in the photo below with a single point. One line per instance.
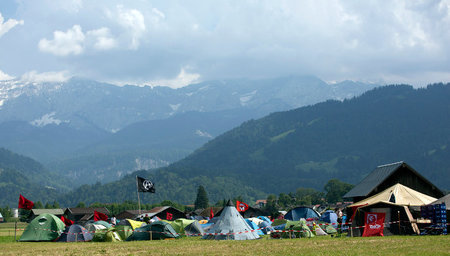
(396, 211)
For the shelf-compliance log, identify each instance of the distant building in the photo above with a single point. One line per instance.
(164, 212)
(36, 212)
(385, 176)
(261, 203)
(130, 214)
(81, 215)
(1, 218)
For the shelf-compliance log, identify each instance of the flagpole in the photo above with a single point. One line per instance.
(137, 191)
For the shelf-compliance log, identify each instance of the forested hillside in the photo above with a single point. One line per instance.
(23, 175)
(307, 147)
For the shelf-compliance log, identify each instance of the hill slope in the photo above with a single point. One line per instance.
(306, 147)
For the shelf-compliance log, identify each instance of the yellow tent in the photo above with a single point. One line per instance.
(399, 195)
(133, 223)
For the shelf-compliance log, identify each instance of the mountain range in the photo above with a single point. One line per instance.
(306, 147)
(302, 147)
(90, 131)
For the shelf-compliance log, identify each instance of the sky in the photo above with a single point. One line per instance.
(175, 43)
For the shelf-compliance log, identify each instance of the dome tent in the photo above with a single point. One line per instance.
(45, 227)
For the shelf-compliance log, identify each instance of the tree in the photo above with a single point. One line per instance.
(336, 189)
(201, 201)
(38, 205)
(81, 205)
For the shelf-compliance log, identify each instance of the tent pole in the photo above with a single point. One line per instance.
(137, 191)
(15, 231)
(399, 228)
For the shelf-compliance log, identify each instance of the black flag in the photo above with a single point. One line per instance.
(145, 185)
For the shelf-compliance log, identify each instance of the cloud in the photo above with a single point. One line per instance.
(103, 39)
(182, 79)
(8, 25)
(132, 20)
(64, 43)
(34, 76)
(4, 76)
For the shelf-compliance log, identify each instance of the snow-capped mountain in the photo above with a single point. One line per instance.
(84, 128)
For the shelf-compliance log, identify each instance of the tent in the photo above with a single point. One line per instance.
(230, 225)
(106, 235)
(298, 228)
(301, 212)
(397, 194)
(255, 227)
(154, 231)
(134, 224)
(186, 227)
(395, 202)
(45, 227)
(75, 233)
(124, 231)
(265, 227)
(330, 217)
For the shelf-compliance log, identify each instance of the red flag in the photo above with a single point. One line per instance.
(68, 222)
(241, 206)
(211, 214)
(100, 216)
(169, 216)
(374, 224)
(25, 203)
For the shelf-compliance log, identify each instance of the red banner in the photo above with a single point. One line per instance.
(25, 203)
(100, 216)
(66, 221)
(211, 213)
(374, 223)
(169, 216)
(241, 206)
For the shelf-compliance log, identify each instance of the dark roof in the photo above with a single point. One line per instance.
(84, 211)
(378, 176)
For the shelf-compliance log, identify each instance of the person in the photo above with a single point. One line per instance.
(113, 220)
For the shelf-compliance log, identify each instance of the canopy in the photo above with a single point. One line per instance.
(397, 194)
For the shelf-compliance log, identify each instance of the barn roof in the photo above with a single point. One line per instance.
(378, 176)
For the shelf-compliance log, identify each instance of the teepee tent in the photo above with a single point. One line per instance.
(45, 227)
(230, 225)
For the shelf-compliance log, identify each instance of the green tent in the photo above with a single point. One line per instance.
(159, 230)
(45, 227)
(106, 235)
(124, 231)
(186, 227)
(300, 229)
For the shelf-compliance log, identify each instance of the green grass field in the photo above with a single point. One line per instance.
(7, 229)
(393, 245)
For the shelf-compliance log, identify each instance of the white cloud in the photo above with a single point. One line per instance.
(182, 79)
(9, 24)
(34, 76)
(133, 21)
(4, 76)
(103, 39)
(64, 43)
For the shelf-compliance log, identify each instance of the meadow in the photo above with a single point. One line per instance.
(393, 245)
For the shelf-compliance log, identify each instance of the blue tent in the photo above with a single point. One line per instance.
(329, 217)
(265, 226)
(301, 212)
(254, 226)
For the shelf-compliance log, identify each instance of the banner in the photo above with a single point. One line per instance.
(25, 203)
(100, 216)
(67, 221)
(169, 216)
(241, 206)
(374, 224)
(211, 213)
(145, 185)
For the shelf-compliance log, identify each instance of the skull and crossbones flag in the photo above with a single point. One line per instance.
(145, 185)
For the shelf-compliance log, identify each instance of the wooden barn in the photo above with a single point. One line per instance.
(164, 212)
(385, 176)
(81, 215)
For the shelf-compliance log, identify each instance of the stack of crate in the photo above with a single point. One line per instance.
(438, 214)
